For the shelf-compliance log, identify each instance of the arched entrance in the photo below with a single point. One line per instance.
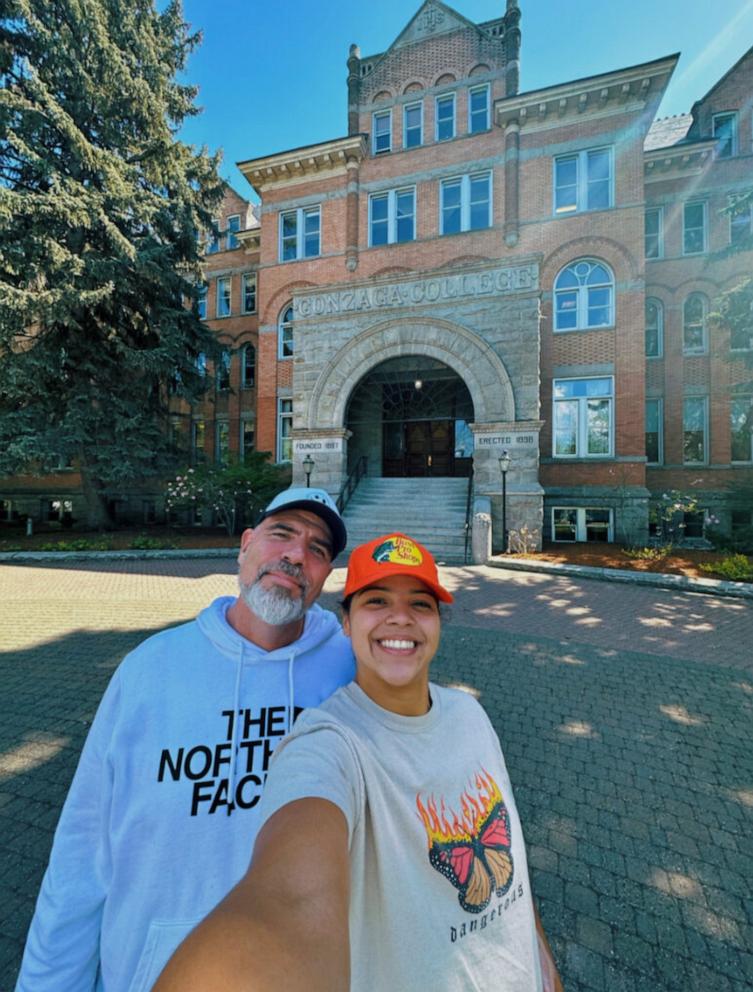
(409, 415)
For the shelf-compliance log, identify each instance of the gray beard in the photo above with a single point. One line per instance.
(274, 606)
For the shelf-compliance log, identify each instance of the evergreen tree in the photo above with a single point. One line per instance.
(100, 207)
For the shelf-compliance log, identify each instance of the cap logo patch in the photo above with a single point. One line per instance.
(398, 551)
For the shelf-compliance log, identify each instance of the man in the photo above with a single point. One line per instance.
(162, 813)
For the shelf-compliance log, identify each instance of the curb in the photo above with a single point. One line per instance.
(125, 555)
(660, 580)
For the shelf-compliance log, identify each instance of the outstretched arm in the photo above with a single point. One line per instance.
(285, 925)
(551, 979)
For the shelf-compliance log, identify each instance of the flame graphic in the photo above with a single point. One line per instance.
(443, 825)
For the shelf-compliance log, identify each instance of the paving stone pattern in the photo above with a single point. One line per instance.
(625, 715)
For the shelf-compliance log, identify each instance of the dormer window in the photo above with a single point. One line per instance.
(724, 127)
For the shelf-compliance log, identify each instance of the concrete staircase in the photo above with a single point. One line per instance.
(430, 510)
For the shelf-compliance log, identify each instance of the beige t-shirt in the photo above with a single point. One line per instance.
(440, 896)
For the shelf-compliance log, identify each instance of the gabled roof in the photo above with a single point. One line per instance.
(667, 131)
(722, 79)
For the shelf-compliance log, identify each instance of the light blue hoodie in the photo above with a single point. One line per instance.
(162, 813)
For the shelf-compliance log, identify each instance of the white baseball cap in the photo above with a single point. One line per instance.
(316, 501)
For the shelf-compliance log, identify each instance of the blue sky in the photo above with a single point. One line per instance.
(272, 74)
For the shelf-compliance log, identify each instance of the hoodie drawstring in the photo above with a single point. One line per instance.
(236, 721)
(291, 691)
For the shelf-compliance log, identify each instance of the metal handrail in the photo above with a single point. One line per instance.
(351, 482)
(468, 505)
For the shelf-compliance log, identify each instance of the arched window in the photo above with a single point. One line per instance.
(248, 366)
(654, 328)
(584, 296)
(694, 314)
(285, 333)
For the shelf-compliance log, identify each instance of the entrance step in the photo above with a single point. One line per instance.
(432, 510)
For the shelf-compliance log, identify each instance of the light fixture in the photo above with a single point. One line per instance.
(308, 468)
(504, 465)
(418, 383)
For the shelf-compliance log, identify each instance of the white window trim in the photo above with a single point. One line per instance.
(478, 89)
(437, 99)
(660, 420)
(581, 315)
(218, 297)
(704, 350)
(244, 279)
(281, 416)
(660, 311)
(465, 201)
(735, 130)
(660, 212)
(232, 234)
(705, 459)
(693, 203)
(580, 523)
(300, 215)
(581, 194)
(749, 459)
(374, 116)
(581, 439)
(392, 195)
(406, 108)
(280, 322)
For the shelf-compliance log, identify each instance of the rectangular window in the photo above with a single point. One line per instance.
(392, 217)
(6, 510)
(654, 233)
(233, 226)
(478, 109)
(693, 228)
(694, 430)
(59, 509)
(248, 436)
(222, 370)
(583, 181)
(284, 430)
(249, 292)
(724, 127)
(413, 125)
(466, 203)
(201, 303)
(445, 117)
(654, 432)
(740, 223)
(741, 428)
(579, 523)
(693, 523)
(223, 296)
(382, 132)
(583, 417)
(198, 435)
(215, 242)
(248, 369)
(299, 234)
(221, 442)
(654, 330)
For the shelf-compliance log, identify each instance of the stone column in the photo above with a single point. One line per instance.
(351, 215)
(512, 164)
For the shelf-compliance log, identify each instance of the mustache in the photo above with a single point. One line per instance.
(294, 571)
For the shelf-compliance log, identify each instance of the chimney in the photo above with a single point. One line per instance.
(512, 48)
(354, 87)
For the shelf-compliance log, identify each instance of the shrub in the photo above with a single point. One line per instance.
(651, 553)
(738, 568)
(144, 543)
(79, 544)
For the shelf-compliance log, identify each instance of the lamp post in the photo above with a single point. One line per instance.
(308, 468)
(504, 465)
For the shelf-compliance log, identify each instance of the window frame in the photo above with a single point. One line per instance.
(705, 430)
(659, 211)
(201, 301)
(659, 327)
(748, 215)
(582, 299)
(300, 214)
(214, 244)
(733, 139)
(376, 134)
(247, 422)
(581, 433)
(219, 296)
(581, 524)
(232, 232)
(704, 349)
(483, 88)
(283, 340)
(704, 229)
(245, 384)
(283, 416)
(198, 434)
(392, 226)
(465, 201)
(412, 106)
(221, 441)
(582, 181)
(659, 401)
(6, 510)
(442, 98)
(246, 278)
(222, 369)
(748, 399)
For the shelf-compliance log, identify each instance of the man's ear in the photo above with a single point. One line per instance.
(246, 537)
(346, 624)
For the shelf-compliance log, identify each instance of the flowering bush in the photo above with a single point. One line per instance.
(668, 514)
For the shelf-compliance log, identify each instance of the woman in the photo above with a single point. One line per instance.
(391, 856)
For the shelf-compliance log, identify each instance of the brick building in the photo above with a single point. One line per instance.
(472, 269)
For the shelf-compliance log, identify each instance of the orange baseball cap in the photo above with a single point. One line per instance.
(392, 554)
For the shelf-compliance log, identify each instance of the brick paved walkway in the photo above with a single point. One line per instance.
(625, 714)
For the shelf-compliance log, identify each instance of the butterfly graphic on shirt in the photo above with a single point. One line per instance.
(471, 848)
